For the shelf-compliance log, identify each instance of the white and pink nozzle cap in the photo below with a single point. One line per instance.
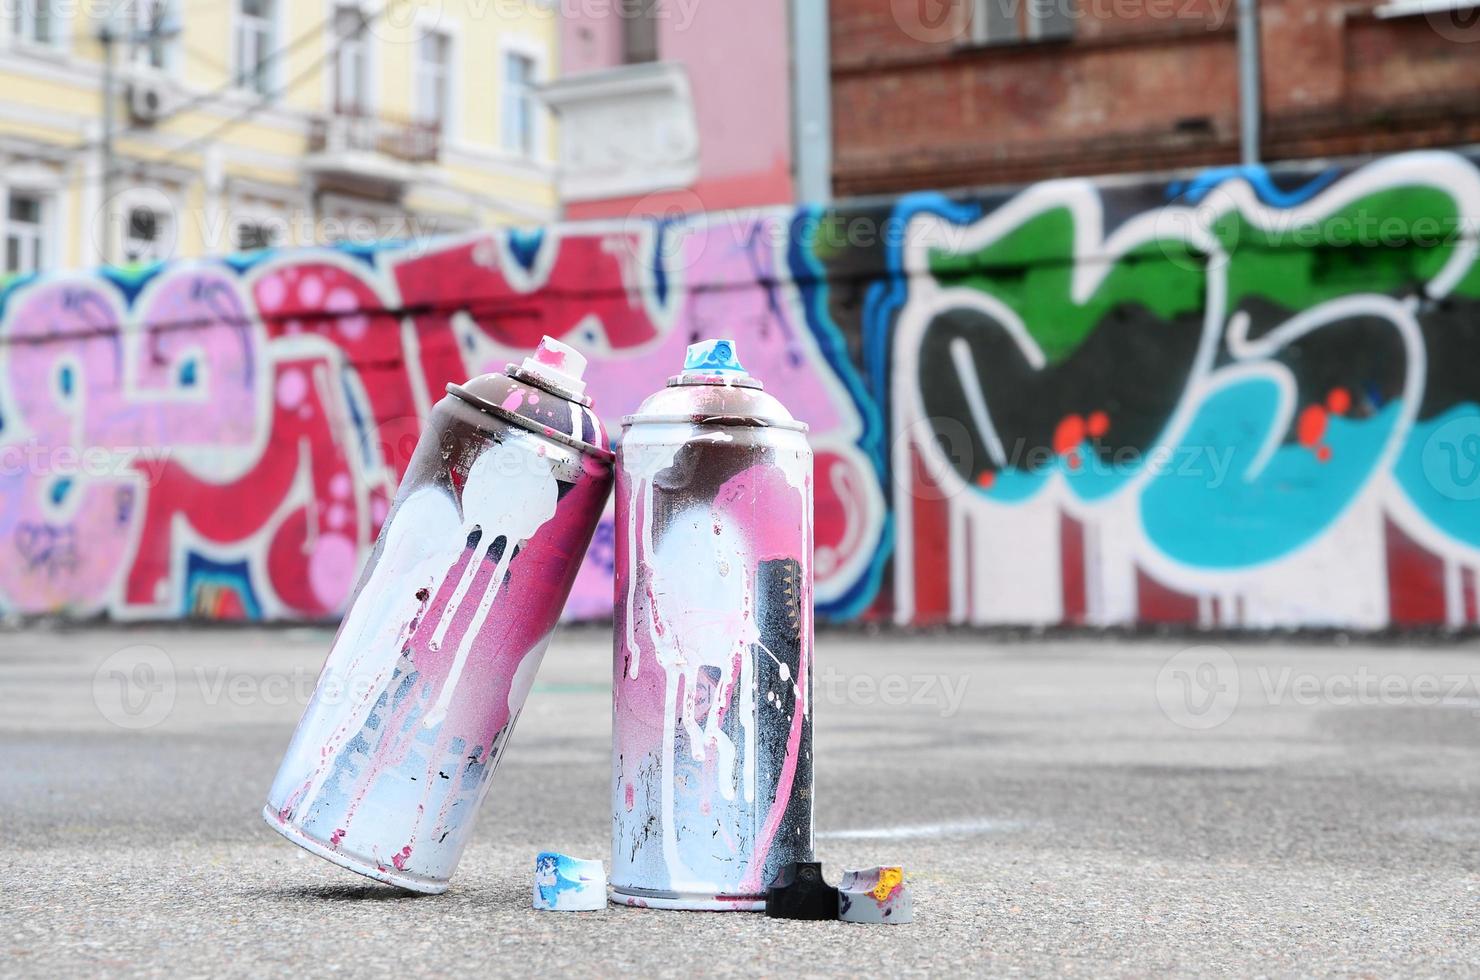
(559, 364)
(712, 357)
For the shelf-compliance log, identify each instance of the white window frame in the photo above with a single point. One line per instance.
(330, 75)
(438, 20)
(136, 12)
(348, 210)
(260, 219)
(650, 19)
(165, 206)
(45, 237)
(350, 59)
(265, 84)
(1026, 25)
(20, 23)
(245, 201)
(539, 122)
(160, 247)
(429, 76)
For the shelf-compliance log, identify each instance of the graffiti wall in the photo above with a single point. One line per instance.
(1248, 399)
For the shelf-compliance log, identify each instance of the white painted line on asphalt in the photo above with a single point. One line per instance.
(960, 828)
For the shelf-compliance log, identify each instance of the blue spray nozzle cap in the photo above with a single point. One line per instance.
(712, 357)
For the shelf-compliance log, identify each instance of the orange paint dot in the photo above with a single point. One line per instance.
(1324, 454)
(1339, 401)
(1073, 460)
(986, 478)
(1098, 424)
(1068, 435)
(1311, 426)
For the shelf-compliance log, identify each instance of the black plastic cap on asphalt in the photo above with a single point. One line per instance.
(800, 892)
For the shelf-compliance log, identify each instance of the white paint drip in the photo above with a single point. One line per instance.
(641, 463)
(700, 581)
(421, 544)
(510, 493)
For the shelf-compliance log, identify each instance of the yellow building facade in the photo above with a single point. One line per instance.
(241, 124)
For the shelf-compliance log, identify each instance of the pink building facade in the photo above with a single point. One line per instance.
(674, 106)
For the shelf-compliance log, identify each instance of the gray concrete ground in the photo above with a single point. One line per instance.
(1064, 807)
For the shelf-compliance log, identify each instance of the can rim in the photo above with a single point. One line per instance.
(717, 380)
(518, 373)
(732, 421)
(548, 432)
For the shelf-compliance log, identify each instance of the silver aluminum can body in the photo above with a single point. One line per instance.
(712, 666)
(447, 626)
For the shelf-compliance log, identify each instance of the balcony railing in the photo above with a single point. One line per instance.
(353, 130)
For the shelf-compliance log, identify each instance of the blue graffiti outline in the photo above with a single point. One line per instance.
(370, 253)
(243, 262)
(812, 286)
(1258, 178)
(661, 228)
(131, 280)
(886, 298)
(882, 302)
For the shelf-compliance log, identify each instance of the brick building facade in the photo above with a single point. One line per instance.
(950, 93)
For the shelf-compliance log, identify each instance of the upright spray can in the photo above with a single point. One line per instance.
(712, 673)
(448, 624)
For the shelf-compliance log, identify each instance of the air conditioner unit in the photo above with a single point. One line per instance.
(149, 102)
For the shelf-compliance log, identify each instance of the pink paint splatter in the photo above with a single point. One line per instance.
(292, 388)
(271, 292)
(331, 569)
(311, 291)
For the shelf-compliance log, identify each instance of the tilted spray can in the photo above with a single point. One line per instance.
(448, 624)
(712, 666)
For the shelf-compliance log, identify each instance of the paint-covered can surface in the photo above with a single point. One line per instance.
(712, 672)
(448, 625)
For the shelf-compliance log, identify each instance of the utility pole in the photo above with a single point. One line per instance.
(1249, 71)
(811, 100)
(109, 34)
(107, 38)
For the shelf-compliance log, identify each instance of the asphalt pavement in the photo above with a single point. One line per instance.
(1062, 806)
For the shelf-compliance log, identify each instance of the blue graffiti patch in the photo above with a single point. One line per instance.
(524, 245)
(1204, 508)
(205, 577)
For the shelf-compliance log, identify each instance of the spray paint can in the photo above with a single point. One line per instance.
(447, 627)
(712, 666)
